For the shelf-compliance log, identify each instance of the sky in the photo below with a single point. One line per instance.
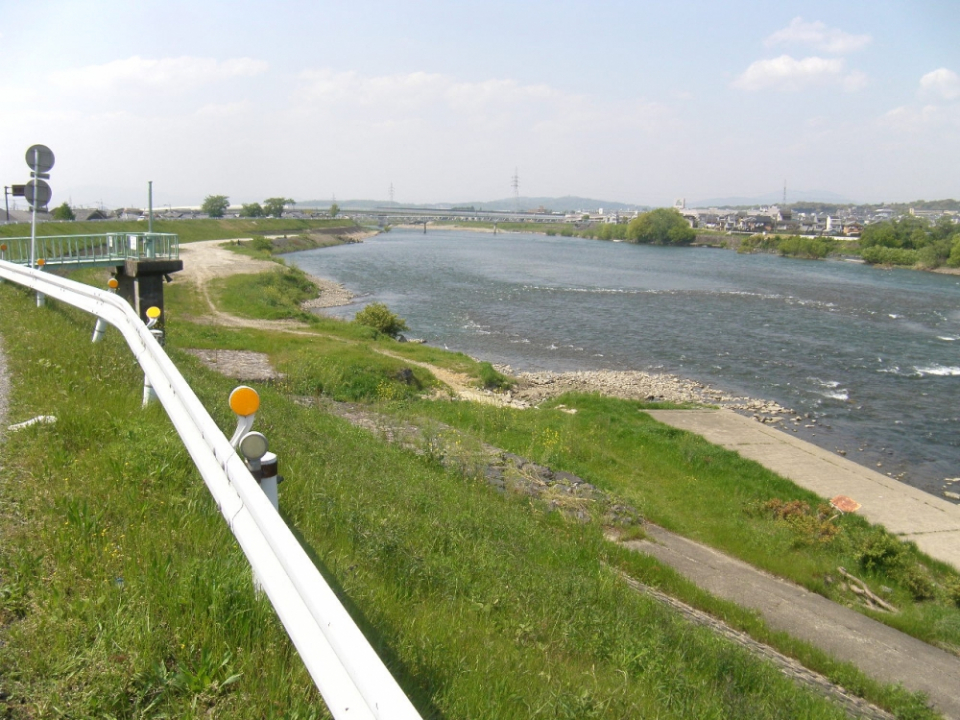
(638, 102)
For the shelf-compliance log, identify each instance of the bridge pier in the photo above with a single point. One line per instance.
(141, 284)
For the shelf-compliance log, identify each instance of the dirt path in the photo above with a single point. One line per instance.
(205, 261)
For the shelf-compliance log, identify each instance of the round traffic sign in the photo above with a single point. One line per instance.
(40, 158)
(38, 193)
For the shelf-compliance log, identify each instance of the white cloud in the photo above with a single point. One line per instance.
(942, 82)
(790, 75)
(419, 88)
(924, 119)
(818, 36)
(168, 74)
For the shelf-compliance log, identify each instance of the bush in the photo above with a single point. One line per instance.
(917, 582)
(882, 551)
(262, 243)
(379, 317)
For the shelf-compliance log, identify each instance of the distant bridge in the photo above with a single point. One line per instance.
(101, 250)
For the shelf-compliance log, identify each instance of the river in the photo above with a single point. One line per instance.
(871, 354)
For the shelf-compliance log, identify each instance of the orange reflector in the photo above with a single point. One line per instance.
(3, 247)
(113, 284)
(244, 401)
(153, 312)
(41, 262)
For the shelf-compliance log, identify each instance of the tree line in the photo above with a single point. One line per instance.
(912, 241)
(663, 226)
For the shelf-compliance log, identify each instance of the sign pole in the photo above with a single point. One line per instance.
(33, 217)
(39, 159)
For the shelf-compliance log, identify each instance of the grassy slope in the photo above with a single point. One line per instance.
(716, 497)
(114, 560)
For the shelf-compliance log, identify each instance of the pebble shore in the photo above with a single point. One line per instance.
(534, 387)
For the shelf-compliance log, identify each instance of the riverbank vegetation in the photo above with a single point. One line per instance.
(912, 241)
(114, 559)
(811, 248)
(663, 226)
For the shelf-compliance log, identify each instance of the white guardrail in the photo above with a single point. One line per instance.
(350, 675)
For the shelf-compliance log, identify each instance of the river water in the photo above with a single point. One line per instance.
(871, 354)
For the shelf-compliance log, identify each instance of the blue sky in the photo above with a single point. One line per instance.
(641, 102)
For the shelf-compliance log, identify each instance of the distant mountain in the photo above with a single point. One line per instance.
(568, 203)
(793, 196)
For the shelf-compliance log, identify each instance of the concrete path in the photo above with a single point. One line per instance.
(880, 651)
(931, 522)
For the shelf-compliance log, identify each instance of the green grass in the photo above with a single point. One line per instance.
(115, 561)
(484, 605)
(187, 230)
(271, 295)
(680, 481)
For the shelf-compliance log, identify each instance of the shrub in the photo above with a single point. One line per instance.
(262, 243)
(881, 551)
(953, 592)
(379, 317)
(917, 582)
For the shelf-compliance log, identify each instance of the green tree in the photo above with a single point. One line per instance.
(251, 210)
(215, 205)
(274, 206)
(334, 210)
(63, 212)
(663, 226)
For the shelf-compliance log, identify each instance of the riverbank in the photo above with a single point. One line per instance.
(109, 531)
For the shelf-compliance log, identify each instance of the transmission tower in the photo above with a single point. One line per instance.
(391, 193)
(516, 188)
(784, 193)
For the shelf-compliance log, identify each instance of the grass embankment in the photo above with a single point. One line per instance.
(701, 491)
(114, 560)
(188, 230)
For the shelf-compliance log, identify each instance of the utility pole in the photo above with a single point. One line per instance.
(391, 193)
(6, 204)
(150, 206)
(516, 189)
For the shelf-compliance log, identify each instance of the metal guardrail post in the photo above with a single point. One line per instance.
(41, 298)
(149, 394)
(101, 327)
(3, 256)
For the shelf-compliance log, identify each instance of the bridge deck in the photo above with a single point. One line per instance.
(96, 250)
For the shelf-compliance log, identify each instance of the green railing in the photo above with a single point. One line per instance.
(101, 249)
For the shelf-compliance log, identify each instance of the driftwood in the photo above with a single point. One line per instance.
(872, 600)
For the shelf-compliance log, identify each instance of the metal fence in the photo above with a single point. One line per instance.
(350, 675)
(100, 249)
